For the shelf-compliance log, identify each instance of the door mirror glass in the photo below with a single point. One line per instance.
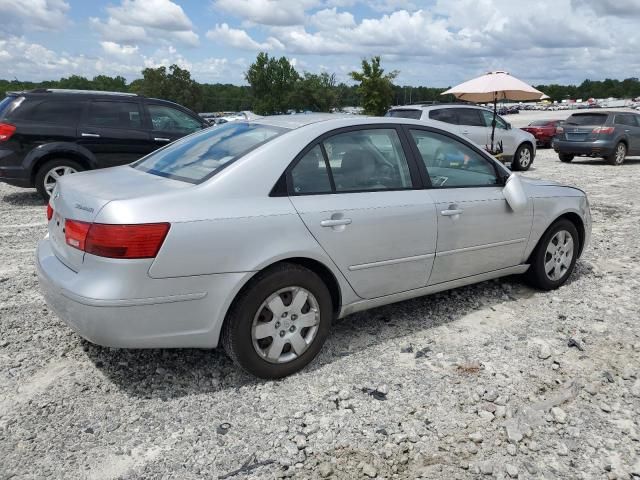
(514, 193)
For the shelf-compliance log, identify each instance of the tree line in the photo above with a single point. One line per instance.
(275, 86)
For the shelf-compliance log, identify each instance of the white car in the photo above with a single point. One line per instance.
(474, 123)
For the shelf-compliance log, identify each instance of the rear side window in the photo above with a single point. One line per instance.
(60, 112)
(114, 114)
(626, 119)
(587, 119)
(8, 104)
(405, 113)
(447, 115)
(199, 156)
(470, 117)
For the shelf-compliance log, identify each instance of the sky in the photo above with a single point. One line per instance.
(435, 43)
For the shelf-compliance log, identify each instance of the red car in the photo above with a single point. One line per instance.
(543, 130)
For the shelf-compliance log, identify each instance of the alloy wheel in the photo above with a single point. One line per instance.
(525, 157)
(52, 176)
(559, 255)
(285, 324)
(621, 152)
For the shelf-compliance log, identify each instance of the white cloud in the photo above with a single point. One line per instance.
(33, 14)
(146, 21)
(240, 39)
(117, 50)
(267, 12)
(330, 18)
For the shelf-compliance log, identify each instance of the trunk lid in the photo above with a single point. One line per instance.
(81, 196)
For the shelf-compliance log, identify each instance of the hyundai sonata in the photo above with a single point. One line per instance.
(255, 235)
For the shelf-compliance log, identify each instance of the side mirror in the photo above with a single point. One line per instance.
(514, 193)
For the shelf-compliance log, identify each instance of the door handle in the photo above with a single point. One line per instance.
(161, 139)
(335, 222)
(90, 135)
(465, 132)
(627, 130)
(451, 212)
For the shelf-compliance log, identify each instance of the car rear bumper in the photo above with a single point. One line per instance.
(12, 171)
(181, 312)
(594, 148)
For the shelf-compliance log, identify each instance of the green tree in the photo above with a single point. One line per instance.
(375, 88)
(109, 84)
(317, 93)
(272, 83)
(175, 85)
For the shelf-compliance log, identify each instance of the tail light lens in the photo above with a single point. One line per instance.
(116, 241)
(6, 131)
(603, 130)
(49, 212)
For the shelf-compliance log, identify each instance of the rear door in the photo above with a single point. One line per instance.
(169, 123)
(358, 194)
(502, 132)
(113, 130)
(477, 230)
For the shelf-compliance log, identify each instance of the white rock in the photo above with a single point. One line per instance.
(559, 415)
(325, 469)
(476, 437)
(369, 470)
(544, 351)
(511, 470)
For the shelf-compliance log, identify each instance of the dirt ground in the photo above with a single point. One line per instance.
(495, 380)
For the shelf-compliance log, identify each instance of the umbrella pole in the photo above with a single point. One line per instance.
(493, 123)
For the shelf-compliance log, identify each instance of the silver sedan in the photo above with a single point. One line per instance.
(255, 235)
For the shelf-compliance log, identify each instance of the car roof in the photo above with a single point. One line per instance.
(436, 106)
(299, 120)
(50, 92)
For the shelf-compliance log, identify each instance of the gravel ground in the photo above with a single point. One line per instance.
(494, 379)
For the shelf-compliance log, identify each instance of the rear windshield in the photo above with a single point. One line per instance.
(540, 123)
(199, 156)
(587, 119)
(413, 114)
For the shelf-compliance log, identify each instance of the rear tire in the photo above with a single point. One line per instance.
(47, 174)
(523, 158)
(266, 333)
(565, 157)
(554, 257)
(618, 155)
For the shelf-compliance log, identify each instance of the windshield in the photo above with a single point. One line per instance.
(199, 156)
(413, 114)
(587, 119)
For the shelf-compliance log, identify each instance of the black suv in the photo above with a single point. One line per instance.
(46, 133)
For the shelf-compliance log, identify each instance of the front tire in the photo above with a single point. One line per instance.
(49, 173)
(279, 323)
(618, 155)
(554, 257)
(523, 158)
(565, 157)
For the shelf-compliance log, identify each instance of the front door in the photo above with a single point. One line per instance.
(477, 230)
(113, 131)
(355, 193)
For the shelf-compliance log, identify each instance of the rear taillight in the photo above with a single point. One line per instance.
(75, 233)
(116, 241)
(603, 130)
(6, 131)
(49, 212)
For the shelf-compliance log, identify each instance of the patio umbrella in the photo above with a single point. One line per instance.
(491, 87)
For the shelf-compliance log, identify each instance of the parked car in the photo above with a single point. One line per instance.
(519, 147)
(256, 235)
(543, 131)
(610, 135)
(48, 133)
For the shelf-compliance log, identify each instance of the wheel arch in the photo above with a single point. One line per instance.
(35, 162)
(577, 222)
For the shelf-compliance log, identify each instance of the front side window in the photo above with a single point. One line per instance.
(169, 119)
(114, 114)
(487, 116)
(450, 163)
(197, 157)
(310, 174)
(367, 160)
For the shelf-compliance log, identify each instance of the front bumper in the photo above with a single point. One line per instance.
(164, 313)
(594, 148)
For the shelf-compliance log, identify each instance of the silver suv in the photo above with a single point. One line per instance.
(518, 146)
